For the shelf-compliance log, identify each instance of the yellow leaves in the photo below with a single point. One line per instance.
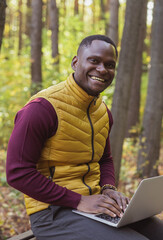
(7, 28)
(1, 222)
(148, 59)
(144, 154)
(143, 139)
(156, 164)
(145, 163)
(128, 177)
(12, 231)
(133, 130)
(49, 33)
(13, 217)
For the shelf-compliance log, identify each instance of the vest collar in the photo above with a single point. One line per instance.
(78, 92)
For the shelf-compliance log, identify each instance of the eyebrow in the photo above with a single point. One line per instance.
(98, 57)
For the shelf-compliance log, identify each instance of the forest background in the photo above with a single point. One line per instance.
(39, 38)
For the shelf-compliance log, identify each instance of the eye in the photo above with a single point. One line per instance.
(93, 60)
(110, 65)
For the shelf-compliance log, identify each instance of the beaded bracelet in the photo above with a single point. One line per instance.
(108, 186)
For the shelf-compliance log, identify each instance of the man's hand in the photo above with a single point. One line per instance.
(118, 197)
(102, 203)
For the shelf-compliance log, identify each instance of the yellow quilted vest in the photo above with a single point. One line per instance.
(78, 145)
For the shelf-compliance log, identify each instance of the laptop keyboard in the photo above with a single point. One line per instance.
(108, 218)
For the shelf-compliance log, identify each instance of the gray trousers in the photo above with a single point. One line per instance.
(59, 223)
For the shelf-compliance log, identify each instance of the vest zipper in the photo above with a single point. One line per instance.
(51, 170)
(92, 142)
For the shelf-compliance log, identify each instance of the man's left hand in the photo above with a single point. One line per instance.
(121, 200)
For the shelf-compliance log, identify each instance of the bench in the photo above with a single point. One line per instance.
(24, 236)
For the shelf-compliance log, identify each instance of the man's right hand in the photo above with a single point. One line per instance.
(99, 204)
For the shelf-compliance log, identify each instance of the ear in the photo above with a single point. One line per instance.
(74, 63)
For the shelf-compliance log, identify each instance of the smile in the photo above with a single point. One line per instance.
(97, 78)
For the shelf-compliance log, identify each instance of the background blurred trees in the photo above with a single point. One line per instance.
(54, 26)
(39, 41)
(2, 18)
(133, 117)
(148, 158)
(36, 46)
(124, 78)
(113, 21)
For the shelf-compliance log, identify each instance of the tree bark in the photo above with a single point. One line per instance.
(150, 138)
(134, 104)
(2, 19)
(36, 45)
(28, 18)
(113, 21)
(107, 5)
(76, 7)
(54, 25)
(124, 79)
(102, 6)
(83, 10)
(20, 27)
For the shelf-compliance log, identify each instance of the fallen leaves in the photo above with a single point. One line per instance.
(13, 217)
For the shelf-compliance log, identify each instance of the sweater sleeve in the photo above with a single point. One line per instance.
(106, 162)
(34, 123)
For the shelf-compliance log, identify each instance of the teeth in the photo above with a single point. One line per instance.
(98, 79)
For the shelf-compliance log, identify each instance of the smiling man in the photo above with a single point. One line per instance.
(59, 152)
(94, 66)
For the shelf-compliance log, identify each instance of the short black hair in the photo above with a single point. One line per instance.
(88, 40)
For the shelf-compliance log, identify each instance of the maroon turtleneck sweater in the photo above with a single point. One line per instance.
(34, 124)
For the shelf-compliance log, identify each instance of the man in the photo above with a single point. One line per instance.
(59, 153)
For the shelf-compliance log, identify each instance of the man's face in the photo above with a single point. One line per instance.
(95, 67)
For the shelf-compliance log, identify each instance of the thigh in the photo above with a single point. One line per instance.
(61, 223)
(152, 228)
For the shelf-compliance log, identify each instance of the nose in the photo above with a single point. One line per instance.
(101, 68)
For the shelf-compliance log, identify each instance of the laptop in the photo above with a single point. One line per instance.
(147, 201)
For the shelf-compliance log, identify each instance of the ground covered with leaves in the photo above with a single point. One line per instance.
(13, 217)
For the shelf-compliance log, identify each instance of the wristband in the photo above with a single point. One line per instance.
(108, 186)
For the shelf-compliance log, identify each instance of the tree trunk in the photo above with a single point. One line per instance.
(107, 16)
(2, 19)
(47, 17)
(76, 7)
(107, 5)
(150, 138)
(102, 6)
(53, 13)
(36, 45)
(20, 27)
(134, 104)
(28, 18)
(113, 21)
(93, 13)
(83, 10)
(124, 79)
